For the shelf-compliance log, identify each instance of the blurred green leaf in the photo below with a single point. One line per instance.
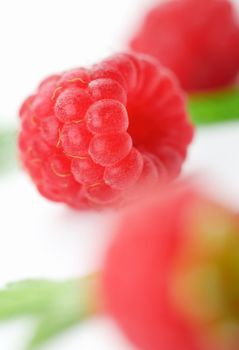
(8, 153)
(57, 306)
(215, 106)
(28, 297)
(71, 306)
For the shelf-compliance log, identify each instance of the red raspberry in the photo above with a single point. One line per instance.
(171, 276)
(88, 136)
(197, 39)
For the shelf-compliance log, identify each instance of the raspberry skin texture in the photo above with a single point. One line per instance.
(115, 126)
(204, 35)
(166, 274)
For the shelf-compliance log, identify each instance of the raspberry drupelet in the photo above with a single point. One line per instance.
(88, 136)
(171, 275)
(197, 39)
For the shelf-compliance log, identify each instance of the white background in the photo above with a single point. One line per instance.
(43, 240)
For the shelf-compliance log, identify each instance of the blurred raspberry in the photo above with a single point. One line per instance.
(89, 136)
(197, 39)
(171, 276)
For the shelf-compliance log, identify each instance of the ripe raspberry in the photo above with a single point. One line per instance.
(171, 276)
(197, 39)
(88, 136)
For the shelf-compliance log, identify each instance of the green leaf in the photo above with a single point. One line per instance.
(72, 305)
(215, 106)
(57, 306)
(26, 298)
(8, 154)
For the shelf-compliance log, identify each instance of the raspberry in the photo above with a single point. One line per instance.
(150, 172)
(103, 89)
(197, 40)
(111, 148)
(49, 130)
(102, 193)
(107, 116)
(125, 173)
(86, 171)
(171, 275)
(75, 140)
(72, 105)
(112, 127)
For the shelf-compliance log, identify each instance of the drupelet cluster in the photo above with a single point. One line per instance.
(88, 136)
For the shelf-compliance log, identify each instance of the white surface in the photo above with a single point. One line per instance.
(39, 239)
